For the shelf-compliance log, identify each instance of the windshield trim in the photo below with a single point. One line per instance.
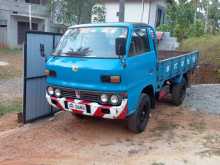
(77, 56)
(86, 57)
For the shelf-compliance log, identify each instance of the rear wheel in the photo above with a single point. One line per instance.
(137, 122)
(179, 93)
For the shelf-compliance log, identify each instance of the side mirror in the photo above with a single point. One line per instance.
(42, 53)
(120, 46)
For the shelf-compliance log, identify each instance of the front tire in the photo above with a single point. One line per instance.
(137, 122)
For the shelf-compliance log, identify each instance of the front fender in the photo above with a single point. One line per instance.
(134, 93)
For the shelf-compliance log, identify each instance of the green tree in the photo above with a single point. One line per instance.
(204, 6)
(195, 5)
(70, 12)
(211, 13)
(214, 16)
(98, 13)
(180, 16)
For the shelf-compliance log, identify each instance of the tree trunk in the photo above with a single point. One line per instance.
(195, 14)
(206, 19)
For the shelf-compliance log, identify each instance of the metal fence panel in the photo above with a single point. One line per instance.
(35, 63)
(34, 102)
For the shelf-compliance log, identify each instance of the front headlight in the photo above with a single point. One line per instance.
(50, 91)
(104, 98)
(114, 99)
(58, 92)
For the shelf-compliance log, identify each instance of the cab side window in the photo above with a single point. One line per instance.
(139, 42)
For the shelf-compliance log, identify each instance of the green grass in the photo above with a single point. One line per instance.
(209, 60)
(15, 106)
(14, 58)
(208, 46)
(10, 51)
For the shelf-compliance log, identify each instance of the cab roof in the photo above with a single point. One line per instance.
(122, 24)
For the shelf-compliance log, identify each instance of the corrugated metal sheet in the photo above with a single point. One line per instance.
(34, 103)
(35, 63)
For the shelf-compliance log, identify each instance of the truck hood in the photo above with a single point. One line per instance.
(84, 73)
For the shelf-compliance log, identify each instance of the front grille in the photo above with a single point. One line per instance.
(68, 93)
(83, 95)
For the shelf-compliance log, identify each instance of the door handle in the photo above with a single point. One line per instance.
(42, 51)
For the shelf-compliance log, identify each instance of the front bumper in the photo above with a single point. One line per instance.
(92, 108)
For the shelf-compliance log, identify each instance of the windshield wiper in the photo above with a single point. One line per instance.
(74, 53)
(79, 52)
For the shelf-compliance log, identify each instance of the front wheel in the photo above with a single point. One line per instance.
(137, 122)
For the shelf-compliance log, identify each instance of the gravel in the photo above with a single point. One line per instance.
(203, 97)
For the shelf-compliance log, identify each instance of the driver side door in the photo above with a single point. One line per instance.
(141, 68)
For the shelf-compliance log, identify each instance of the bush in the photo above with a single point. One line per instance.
(164, 28)
(197, 29)
(183, 32)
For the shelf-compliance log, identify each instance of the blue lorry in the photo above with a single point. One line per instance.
(114, 71)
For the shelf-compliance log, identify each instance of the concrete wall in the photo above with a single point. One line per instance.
(19, 7)
(133, 11)
(13, 28)
(15, 11)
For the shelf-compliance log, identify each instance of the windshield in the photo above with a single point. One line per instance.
(96, 42)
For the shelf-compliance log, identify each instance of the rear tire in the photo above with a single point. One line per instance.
(178, 93)
(137, 122)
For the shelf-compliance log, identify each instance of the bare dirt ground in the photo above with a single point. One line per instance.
(174, 136)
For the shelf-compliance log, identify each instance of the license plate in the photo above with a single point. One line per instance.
(80, 107)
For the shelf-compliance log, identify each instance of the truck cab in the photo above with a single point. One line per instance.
(107, 70)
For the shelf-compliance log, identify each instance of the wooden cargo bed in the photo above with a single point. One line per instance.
(168, 54)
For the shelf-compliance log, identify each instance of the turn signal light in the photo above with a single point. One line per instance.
(111, 79)
(50, 73)
(115, 79)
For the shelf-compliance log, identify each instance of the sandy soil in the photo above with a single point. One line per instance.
(174, 136)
